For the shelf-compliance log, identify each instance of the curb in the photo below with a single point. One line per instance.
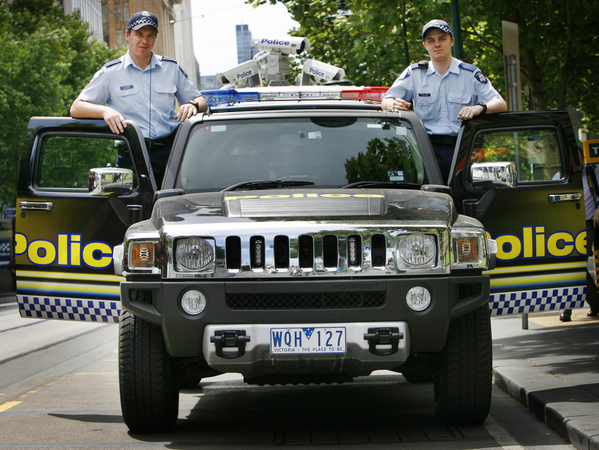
(566, 408)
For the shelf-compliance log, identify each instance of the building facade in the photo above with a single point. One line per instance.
(91, 12)
(245, 51)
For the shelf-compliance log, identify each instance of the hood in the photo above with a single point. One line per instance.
(327, 205)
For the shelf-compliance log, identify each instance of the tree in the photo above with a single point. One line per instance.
(558, 42)
(46, 59)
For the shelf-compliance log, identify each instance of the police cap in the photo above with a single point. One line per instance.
(142, 19)
(436, 23)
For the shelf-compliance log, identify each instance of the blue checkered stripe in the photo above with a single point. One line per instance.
(536, 301)
(69, 309)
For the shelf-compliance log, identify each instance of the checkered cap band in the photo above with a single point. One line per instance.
(440, 24)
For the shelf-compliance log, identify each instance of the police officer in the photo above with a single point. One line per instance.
(142, 86)
(445, 92)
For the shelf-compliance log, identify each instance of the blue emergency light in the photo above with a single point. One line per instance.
(232, 96)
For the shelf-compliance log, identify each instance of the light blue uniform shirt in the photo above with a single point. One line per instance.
(438, 100)
(144, 96)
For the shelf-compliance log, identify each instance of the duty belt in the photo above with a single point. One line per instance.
(443, 139)
(163, 142)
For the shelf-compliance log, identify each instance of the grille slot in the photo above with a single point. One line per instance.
(379, 250)
(233, 255)
(330, 251)
(281, 252)
(306, 251)
(321, 300)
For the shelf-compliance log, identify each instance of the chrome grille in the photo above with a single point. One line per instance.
(307, 252)
(325, 300)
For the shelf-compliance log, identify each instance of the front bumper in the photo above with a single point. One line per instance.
(356, 304)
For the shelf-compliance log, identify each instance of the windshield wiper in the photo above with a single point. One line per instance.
(381, 185)
(266, 184)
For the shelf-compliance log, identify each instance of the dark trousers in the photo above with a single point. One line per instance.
(159, 151)
(444, 146)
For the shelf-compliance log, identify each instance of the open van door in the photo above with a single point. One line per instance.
(520, 175)
(79, 190)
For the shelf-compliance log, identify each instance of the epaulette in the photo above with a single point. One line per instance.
(469, 67)
(169, 59)
(114, 62)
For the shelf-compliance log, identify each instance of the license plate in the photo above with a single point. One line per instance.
(285, 341)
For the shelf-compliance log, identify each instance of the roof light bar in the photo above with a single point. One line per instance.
(232, 96)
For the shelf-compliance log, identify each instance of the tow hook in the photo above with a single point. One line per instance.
(230, 339)
(383, 336)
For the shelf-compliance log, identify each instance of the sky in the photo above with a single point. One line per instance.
(214, 38)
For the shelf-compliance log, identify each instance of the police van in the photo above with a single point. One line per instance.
(300, 235)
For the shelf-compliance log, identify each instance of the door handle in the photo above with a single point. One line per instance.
(571, 197)
(37, 206)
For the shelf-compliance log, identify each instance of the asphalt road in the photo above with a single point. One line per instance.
(59, 389)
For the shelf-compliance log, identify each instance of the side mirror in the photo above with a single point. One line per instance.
(498, 175)
(110, 181)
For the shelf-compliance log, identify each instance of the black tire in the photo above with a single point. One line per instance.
(463, 384)
(148, 387)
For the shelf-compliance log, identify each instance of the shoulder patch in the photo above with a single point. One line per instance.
(406, 73)
(468, 67)
(480, 77)
(114, 62)
(169, 59)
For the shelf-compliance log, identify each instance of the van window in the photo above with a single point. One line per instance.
(535, 152)
(65, 161)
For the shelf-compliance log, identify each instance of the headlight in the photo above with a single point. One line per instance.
(417, 249)
(194, 254)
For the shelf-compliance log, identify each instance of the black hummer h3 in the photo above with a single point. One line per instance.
(301, 240)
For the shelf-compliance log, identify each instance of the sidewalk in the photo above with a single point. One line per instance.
(8, 298)
(553, 369)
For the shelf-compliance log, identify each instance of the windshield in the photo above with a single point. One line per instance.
(330, 152)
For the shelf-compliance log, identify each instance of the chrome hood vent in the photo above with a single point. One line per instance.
(306, 205)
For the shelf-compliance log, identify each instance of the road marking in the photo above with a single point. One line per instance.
(501, 435)
(6, 406)
(109, 360)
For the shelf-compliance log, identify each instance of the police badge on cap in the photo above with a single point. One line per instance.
(142, 19)
(436, 23)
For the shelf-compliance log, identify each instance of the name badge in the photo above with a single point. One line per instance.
(424, 94)
(127, 87)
